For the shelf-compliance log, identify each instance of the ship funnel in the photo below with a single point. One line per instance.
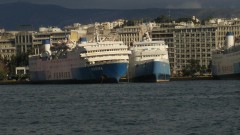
(46, 45)
(229, 39)
(83, 40)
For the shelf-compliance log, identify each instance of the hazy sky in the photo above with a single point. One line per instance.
(136, 4)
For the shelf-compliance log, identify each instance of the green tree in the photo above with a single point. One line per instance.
(203, 69)
(17, 61)
(3, 69)
(186, 71)
(183, 19)
(191, 68)
(206, 19)
(130, 23)
(209, 67)
(3, 75)
(163, 19)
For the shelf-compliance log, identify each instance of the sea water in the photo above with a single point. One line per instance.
(173, 108)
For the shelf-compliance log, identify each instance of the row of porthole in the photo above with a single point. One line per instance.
(61, 75)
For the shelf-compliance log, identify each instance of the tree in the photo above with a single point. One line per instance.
(19, 60)
(209, 67)
(130, 23)
(203, 69)
(192, 68)
(3, 69)
(186, 71)
(163, 19)
(3, 75)
(184, 19)
(206, 20)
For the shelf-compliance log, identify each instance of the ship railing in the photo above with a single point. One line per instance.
(108, 58)
(110, 53)
(106, 62)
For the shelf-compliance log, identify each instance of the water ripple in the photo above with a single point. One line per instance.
(174, 108)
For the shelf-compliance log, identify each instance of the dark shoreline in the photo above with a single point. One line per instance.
(191, 78)
(14, 82)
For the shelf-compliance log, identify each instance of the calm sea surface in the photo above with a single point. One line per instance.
(174, 108)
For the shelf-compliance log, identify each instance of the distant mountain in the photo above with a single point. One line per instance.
(12, 15)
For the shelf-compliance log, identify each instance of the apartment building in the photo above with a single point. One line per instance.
(129, 34)
(107, 25)
(23, 41)
(32, 41)
(7, 46)
(55, 38)
(79, 28)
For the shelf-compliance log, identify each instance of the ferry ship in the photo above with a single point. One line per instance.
(84, 62)
(149, 61)
(226, 61)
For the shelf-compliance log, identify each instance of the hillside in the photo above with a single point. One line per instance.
(15, 14)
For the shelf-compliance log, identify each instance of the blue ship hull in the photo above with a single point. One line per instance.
(105, 73)
(154, 71)
(101, 73)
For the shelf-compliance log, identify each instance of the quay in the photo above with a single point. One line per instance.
(191, 78)
(15, 82)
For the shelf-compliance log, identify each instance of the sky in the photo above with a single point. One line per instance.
(136, 4)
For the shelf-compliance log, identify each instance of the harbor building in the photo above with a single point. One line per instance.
(21, 70)
(197, 42)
